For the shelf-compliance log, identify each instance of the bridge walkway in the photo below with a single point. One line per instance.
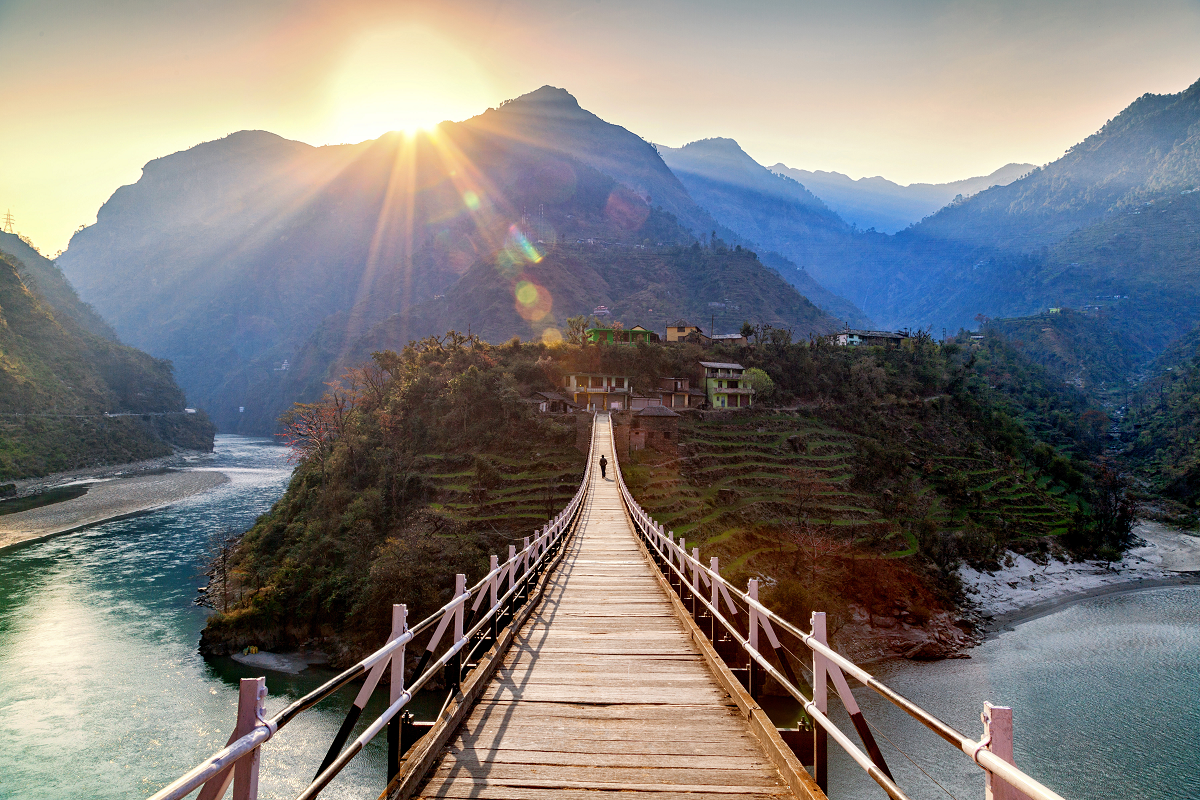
(603, 691)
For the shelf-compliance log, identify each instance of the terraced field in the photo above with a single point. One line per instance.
(507, 493)
(741, 484)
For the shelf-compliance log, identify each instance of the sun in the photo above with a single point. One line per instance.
(403, 79)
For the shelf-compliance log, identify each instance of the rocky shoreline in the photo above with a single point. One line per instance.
(1021, 590)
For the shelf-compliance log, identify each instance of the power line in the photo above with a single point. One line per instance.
(8, 222)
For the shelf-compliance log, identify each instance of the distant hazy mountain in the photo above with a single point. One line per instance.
(1149, 150)
(770, 210)
(253, 250)
(889, 207)
(58, 380)
(553, 118)
(1114, 225)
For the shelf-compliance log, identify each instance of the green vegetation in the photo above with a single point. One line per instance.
(876, 473)
(1162, 427)
(70, 397)
(414, 468)
(1083, 350)
(887, 469)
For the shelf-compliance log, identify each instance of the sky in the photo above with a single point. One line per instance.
(918, 91)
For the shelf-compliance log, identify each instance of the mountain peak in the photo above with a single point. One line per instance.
(551, 96)
(717, 144)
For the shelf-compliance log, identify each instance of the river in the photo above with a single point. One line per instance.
(1104, 694)
(103, 693)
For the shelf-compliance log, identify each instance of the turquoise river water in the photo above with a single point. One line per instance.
(103, 694)
(102, 691)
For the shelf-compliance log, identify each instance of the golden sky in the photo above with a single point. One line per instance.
(914, 91)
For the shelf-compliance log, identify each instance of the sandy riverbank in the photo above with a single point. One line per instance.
(107, 499)
(1025, 589)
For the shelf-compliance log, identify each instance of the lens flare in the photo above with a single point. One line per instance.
(527, 293)
(552, 336)
(516, 253)
(533, 302)
(471, 200)
(524, 247)
(627, 210)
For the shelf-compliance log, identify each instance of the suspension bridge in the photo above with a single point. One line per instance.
(603, 657)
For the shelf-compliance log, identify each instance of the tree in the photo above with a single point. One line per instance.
(311, 429)
(761, 383)
(818, 545)
(1114, 509)
(218, 551)
(747, 329)
(576, 329)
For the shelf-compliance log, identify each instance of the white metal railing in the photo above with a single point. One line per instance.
(706, 589)
(506, 587)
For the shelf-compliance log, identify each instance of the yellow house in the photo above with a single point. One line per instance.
(680, 330)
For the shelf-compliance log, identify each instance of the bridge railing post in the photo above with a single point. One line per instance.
(715, 600)
(820, 689)
(510, 611)
(252, 695)
(494, 598)
(396, 688)
(998, 733)
(454, 665)
(696, 607)
(752, 638)
(523, 594)
(681, 577)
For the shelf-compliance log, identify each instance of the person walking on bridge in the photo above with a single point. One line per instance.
(603, 468)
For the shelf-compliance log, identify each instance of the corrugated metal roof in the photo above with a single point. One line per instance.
(719, 365)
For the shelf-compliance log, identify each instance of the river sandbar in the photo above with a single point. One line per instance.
(107, 500)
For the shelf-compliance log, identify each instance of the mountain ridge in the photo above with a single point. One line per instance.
(889, 207)
(251, 246)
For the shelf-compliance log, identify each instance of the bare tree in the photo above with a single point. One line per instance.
(817, 543)
(218, 551)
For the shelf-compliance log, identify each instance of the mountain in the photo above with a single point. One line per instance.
(1149, 150)
(552, 119)
(46, 280)
(69, 397)
(889, 207)
(770, 210)
(253, 251)
(1112, 227)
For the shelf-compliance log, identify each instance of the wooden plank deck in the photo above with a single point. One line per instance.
(603, 692)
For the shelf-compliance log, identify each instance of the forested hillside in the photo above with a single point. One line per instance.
(1114, 224)
(1161, 431)
(59, 384)
(1149, 150)
(894, 465)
